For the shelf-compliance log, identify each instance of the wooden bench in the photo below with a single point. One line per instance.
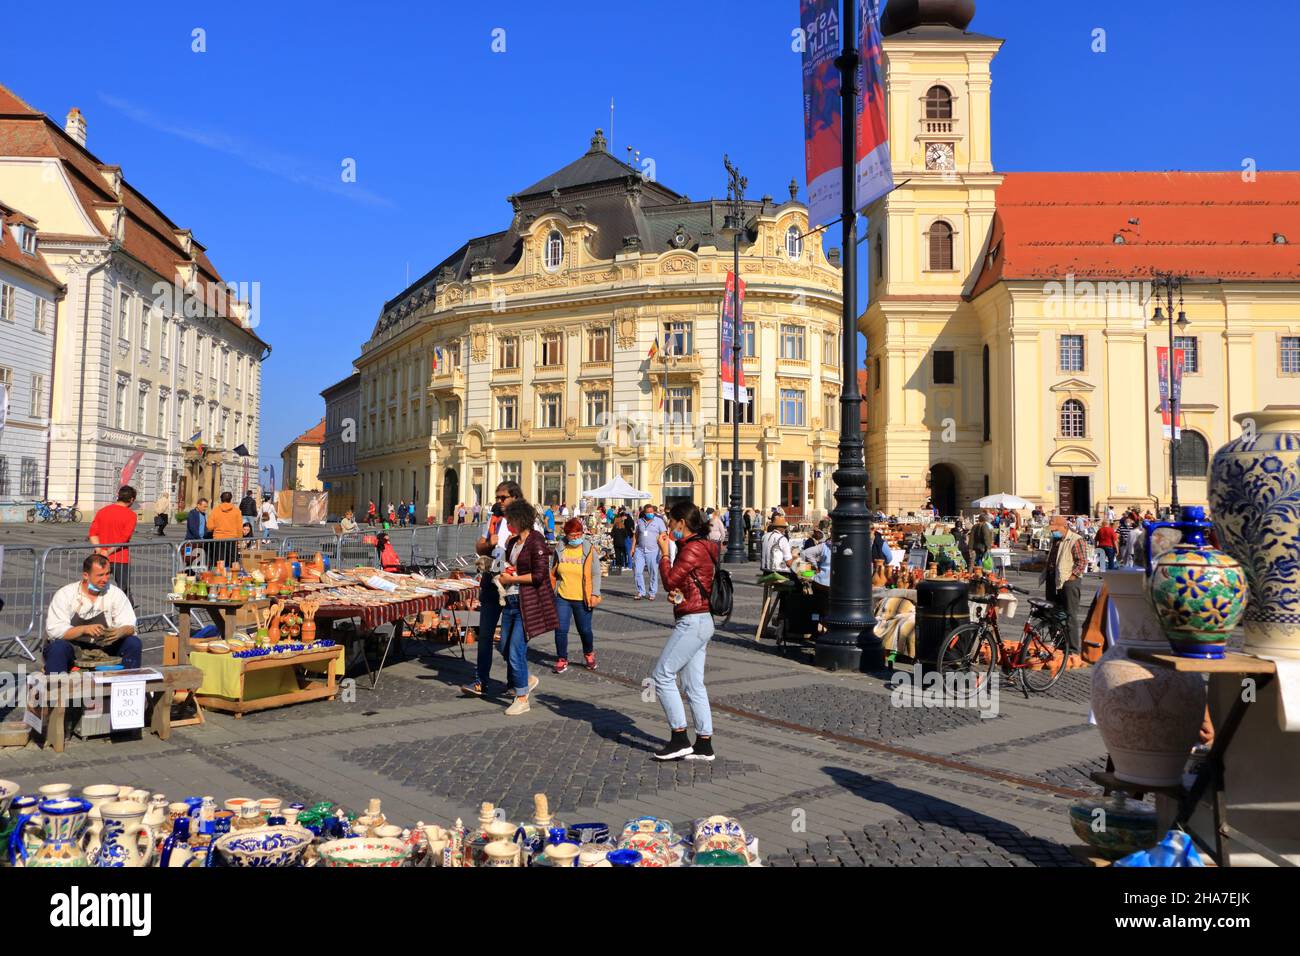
(163, 691)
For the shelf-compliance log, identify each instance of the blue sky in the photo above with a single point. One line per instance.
(244, 143)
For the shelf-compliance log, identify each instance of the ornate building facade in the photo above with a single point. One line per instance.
(1010, 340)
(527, 354)
(156, 360)
(338, 453)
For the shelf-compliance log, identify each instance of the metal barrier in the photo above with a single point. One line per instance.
(308, 543)
(152, 567)
(21, 615)
(352, 551)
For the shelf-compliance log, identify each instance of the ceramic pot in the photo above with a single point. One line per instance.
(8, 790)
(563, 854)
(1115, 827)
(500, 853)
(364, 851)
(124, 835)
(270, 806)
(265, 847)
(61, 826)
(1148, 716)
(1254, 494)
(1199, 592)
(55, 791)
(156, 816)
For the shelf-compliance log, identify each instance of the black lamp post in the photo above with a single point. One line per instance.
(1167, 283)
(849, 641)
(735, 224)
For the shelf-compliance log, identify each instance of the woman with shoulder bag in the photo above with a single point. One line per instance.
(575, 578)
(689, 580)
(530, 602)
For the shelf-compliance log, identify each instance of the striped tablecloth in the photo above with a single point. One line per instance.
(377, 615)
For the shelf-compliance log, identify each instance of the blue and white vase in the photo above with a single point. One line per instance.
(1254, 494)
(126, 839)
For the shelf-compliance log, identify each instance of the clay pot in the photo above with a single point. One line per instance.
(878, 579)
(1149, 716)
(1199, 595)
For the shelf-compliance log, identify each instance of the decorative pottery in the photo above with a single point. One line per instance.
(563, 854)
(156, 816)
(589, 832)
(234, 803)
(270, 805)
(623, 858)
(654, 847)
(62, 829)
(648, 825)
(389, 831)
(1254, 494)
(1115, 827)
(176, 850)
(500, 853)
(55, 791)
(719, 858)
(1199, 592)
(593, 854)
(364, 851)
(718, 825)
(265, 847)
(8, 790)
(29, 832)
(1148, 716)
(126, 840)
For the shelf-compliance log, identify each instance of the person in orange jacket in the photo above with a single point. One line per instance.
(226, 523)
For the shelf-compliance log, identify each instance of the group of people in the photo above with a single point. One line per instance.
(532, 583)
(396, 516)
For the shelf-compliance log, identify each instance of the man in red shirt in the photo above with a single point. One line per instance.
(114, 524)
(1108, 541)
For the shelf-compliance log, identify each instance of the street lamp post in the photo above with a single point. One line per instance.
(1167, 283)
(735, 224)
(849, 640)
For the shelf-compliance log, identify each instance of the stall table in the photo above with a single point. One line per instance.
(176, 647)
(173, 678)
(239, 685)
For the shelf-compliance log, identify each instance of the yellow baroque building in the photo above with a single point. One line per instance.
(526, 354)
(1010, 340)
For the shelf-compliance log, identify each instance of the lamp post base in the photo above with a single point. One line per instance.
(837, 657)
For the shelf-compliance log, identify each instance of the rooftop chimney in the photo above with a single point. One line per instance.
(75, 126)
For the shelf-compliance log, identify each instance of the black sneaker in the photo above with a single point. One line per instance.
(703, 749)
(675, 749)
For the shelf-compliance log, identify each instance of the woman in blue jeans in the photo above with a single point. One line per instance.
(530, 601)
(575, 578)
(688, 581)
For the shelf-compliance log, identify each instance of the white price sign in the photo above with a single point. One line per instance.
(127, 706)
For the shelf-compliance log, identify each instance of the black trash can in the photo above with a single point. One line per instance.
(941, 606)
(755, 545)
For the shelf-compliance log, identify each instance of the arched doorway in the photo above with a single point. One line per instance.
(943, 490)
(679, 485)
(450, 492)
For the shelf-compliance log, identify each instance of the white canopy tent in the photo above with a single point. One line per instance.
(1010, 502)
(618, 488)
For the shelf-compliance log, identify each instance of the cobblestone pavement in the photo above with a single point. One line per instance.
(823, 768)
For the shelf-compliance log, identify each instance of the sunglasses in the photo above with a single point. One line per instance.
(503, 497)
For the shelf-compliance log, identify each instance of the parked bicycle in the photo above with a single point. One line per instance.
(972, 650)
(42, 511)
(66, 513)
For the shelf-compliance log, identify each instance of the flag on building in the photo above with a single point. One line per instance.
(731, 328)
(654, 348)
(875, 176)
(437, 359)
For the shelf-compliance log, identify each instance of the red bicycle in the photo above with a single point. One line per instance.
(971, 651)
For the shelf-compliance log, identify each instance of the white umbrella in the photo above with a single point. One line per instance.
(618, 488)
(1001, 501)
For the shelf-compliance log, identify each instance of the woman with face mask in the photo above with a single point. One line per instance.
(575, 578)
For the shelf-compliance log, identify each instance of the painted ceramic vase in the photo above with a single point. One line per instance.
(8, 790)
(1199, 593)
(62, 829)
(1115, 827)
(363, 851)
(126, 840)
(1254, 496)
(266, 847)
(1148, 716)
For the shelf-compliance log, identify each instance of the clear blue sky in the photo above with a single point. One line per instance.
(244, 143)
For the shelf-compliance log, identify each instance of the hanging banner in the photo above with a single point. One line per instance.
(875, 176)
(731, 327)
(1166, 402)
(129, 468)
(820, 22)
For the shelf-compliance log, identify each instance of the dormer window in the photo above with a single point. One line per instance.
(554, 251)
(27, 239)
(793, 242)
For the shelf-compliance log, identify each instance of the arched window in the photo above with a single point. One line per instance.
(554, 250)
(793, 242)
(938, 103)
(941, 247)
(1193, 455)
(1073, 423)
(679, 484)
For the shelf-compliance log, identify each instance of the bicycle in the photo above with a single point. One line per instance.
(42, 511)
(972, 650)
(67, 513)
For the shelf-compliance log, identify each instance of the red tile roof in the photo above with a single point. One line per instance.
(149, 237)
(312, 436)
(1199, 225)
(12, 253)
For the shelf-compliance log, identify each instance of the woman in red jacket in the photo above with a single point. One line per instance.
(688, 581)
(530, 601)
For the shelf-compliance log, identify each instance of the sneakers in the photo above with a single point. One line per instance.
(520, 706)
(533, 681)
(590, 660)
(676, 748)
(473, 689)
(561, 666)
(703, 749)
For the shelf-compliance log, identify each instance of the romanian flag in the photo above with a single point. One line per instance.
(437, 355)
(194, 440)
(654, 348)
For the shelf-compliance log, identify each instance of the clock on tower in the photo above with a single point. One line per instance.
(940, 156)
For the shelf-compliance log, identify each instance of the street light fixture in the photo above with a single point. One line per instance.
(733, 225)
(1167, 283)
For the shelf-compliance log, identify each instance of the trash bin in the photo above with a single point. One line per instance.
(941, 605)
(755, 545)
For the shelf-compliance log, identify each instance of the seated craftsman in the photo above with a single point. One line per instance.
(90, 619)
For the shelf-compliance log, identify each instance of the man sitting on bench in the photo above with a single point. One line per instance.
(91, 619)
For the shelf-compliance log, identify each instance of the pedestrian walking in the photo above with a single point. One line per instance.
(981, 540)
(1066, 562)
(491, 548)
(575, 578)
(689, 580)
(271, 520)
(114, 524)
(530, 601)
(248, 507)
(549, 518)
(372, 514)
(1108, 544)
(621, 535)
(161, 514)
(646, 546)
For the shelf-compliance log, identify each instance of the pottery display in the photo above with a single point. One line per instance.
(176, 850)
(8, 790)
(1199, 592)
(365, 851)
(500, 853)
(1254, 494)
(1149, 716)
(62, 824)
(563, 854)
(1115, 827)
(265, 847)
(55, 791)
(126, 840)
(589, 832)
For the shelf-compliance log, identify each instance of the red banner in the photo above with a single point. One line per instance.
(732, 326)
(1167, 392)
(129, 468)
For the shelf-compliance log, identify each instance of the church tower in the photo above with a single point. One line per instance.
(927, 368)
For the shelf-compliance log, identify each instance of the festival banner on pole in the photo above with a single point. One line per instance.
(875, 176)
(820, 22)
(1166, 402)
(731, 327)
(129, 468)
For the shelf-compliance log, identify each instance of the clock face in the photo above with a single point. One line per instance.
(939, 156)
